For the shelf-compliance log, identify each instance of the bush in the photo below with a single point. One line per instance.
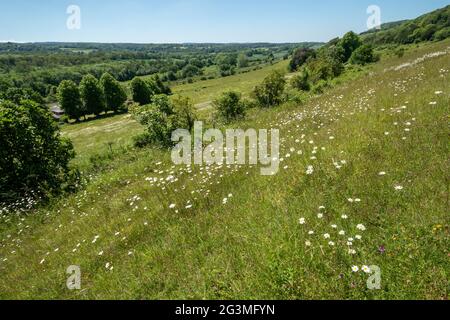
(320, 69)
(442, 34)
(161, 118)
(320, 86)
(349, 43)
(230, 106)
(300, 57)
(301, 81)
(185, 110)
(400, 52)
(363, 55)
(33, 156)
(270, 92)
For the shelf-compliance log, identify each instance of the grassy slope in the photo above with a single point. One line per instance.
(204, 91)
(254, 247)
(95, 137)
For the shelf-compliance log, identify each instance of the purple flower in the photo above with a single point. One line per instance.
(382, 249)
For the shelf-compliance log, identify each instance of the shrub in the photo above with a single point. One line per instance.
(161, 118)
(300, 57)
(230, 105)
(349, 43)
(399, 52)
(33, 156)
(442, 34)
(320, 69)
(270, 92)
(301, 81)
(320, 86)
(185, 110)
(363, 55)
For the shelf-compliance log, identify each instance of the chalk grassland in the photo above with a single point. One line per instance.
(363, 181)
(111, 135)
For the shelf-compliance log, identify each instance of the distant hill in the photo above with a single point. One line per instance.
(431, 26)
(386, 26)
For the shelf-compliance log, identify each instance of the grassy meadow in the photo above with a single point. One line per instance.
(363, 182)
(113, 134)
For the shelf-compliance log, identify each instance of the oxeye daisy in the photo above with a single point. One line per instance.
(366, 269)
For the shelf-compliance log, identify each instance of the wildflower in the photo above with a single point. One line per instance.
(366, 269)
(310, 170)
(326, 236)
(344, 216)
(320, 215)
(95, 239)
(308, 243)
(172, 206)
(334, 226)
(331, 243)
(355, 268)
(302, 220)
(311, 233)
(358, 237)
(100, 253)
(382, 249)
(382, 173)
(342, 233)
(351, 251)
(398, 187)
(361, 227)
(438, 92)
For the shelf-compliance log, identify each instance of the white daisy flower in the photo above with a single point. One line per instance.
(366, 269)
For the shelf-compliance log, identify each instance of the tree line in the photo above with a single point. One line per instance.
(94, 97)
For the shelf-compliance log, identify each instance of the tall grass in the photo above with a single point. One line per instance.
(378, 147)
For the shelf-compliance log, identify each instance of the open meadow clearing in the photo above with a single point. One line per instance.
(363, 182)
(98, 137)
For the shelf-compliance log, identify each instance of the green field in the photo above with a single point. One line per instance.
(207, 91)
(99, 136)
(378, 150)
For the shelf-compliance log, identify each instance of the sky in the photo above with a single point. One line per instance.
(182, 21)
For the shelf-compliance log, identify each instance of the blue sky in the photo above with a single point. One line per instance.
(175, 21)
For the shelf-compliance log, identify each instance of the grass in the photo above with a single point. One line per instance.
(253, 246)
(208, 90)
(97, 137)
